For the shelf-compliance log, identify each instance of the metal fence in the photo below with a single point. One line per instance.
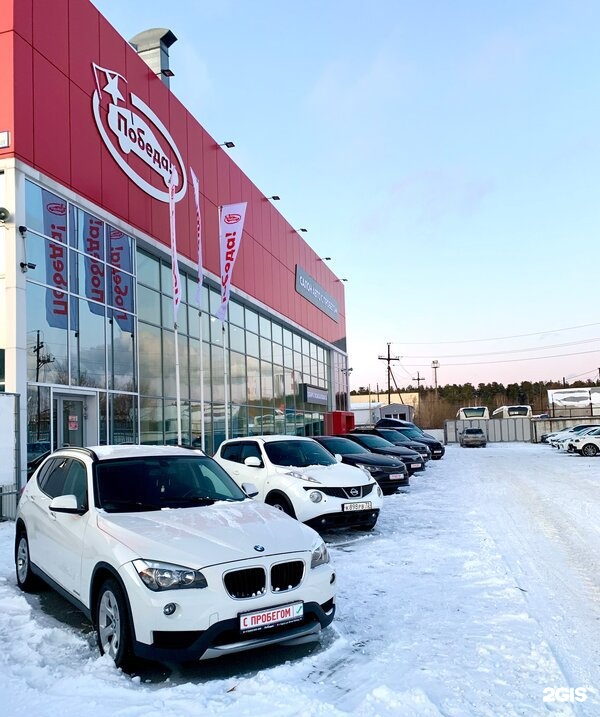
(497, 430)
(10, 463)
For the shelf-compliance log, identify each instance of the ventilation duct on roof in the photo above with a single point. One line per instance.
(153, 47)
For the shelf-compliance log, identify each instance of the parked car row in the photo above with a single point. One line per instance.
(175, 556)
(583, 438)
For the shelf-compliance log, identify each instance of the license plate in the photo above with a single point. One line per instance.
(367, 505)
(264, 619)
(415, 465)
(396, 476)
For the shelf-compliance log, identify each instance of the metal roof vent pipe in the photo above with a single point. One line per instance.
(153, 47)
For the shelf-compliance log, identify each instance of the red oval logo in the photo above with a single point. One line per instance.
(57, 208)
(232, 218)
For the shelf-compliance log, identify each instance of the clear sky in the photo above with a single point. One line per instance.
(445, 154)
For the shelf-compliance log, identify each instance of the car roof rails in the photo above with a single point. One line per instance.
(80, 449)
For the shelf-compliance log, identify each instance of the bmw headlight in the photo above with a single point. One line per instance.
(320, 556)
(302, 476)
(164, 576)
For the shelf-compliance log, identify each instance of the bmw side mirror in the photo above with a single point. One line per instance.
(250, 489)
(66, 504)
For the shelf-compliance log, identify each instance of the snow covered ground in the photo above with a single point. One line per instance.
(478, 591)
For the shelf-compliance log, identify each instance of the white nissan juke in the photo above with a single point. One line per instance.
(300, 477)
(167, 556)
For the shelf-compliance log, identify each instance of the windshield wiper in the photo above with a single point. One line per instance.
(189, 499)
(121, 506)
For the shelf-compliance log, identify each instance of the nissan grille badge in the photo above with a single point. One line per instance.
(353, 492)
(259, 548)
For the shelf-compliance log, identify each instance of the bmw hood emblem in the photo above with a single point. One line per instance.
(259, 548)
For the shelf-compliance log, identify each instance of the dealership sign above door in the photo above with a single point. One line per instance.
(132, 128)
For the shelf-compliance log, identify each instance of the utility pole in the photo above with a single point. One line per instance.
(418, 379)
(389, 360)
(435, 364)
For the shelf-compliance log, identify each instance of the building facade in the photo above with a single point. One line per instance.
(89, 135)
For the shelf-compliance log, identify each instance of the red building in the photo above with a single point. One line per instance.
(89, 135)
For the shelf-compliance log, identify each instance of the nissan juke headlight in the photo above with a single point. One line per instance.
(320, 555)
(164, 576)
(302, 476)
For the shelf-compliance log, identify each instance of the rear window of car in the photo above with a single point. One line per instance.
(474, 431)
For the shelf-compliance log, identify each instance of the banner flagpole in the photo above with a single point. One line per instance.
(196, 188)
(176, 293)
(231, 227)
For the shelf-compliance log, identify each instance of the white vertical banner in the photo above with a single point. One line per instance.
(231, 226)
(196, 187)
(174, 265)
(176, 292)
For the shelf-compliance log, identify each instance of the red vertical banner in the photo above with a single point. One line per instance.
(231, 226)
(174, 265)
(196, 188)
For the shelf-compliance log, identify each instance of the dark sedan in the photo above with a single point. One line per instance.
(399, 439)
(376, 444)
(390, 473)
(416, 434)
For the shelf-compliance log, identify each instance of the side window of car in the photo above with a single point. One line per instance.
(232, 452)
(76, 483)
(250, 449)
(53, 481)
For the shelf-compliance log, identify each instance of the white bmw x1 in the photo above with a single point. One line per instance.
(167, 556)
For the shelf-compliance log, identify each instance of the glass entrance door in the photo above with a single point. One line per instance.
(70, 415)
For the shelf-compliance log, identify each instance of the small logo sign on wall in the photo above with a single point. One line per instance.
(130, 127)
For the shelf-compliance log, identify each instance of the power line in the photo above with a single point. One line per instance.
(525, 358)
(511, 351)
(497, 338)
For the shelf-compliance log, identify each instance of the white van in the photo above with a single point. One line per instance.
(512, 412)
(468, 412)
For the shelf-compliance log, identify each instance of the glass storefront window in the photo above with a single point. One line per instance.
(237, 373)
(277, 353)
(277, 332)
(216, 373)
(253, 379)
(149, 305)
(265, 327)
(151, 421)
(38, 420)
(86, 233)
(266, 352)
(251, 320)
(121, 355)
(236, 314)
(45, 212)
(148, 271)
(123, 418)
(88, 340)
(47, 358)
(266, 383)
(236, 339)
(251, 344)
(150, 361)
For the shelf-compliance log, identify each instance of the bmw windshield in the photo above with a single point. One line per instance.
(153, 483)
